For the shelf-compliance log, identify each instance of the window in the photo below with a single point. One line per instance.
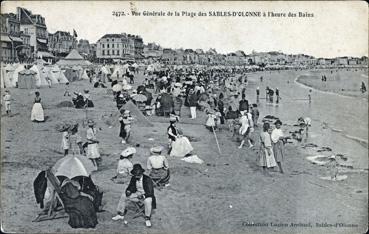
(112, 45)
(117, 52)
(107, 46)
(112, 52)
(103, 46)
(108, 52)
(112, 39)
(107, 39)
(103, 52)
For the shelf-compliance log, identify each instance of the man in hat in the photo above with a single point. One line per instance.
(157, 166)
(124, 165)
(140, 187)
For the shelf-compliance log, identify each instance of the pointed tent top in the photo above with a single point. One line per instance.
(74, 55)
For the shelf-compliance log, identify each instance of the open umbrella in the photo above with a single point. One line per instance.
(139, 98)
(72, 166)
(117, 88)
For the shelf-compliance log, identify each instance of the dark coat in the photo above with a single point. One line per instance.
(80, 209)
(39, 187)
(244, 105)
(148, 187)
(192, 99)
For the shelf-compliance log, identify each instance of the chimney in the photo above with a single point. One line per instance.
(19, 12)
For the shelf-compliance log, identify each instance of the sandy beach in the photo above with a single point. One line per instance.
(226, 194)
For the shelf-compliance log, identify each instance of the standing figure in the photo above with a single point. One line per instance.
(71, 136)
(37, 113)
(277, 95)
(257, 94)
(125, 125)
(271, 93)
(192, 101)
(66, 92)
(246, 128)
(266, 156)
(278, 144)
(92, 148)
(7, 101)
(255, 114)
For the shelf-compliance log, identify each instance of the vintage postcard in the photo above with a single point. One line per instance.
(184, 117)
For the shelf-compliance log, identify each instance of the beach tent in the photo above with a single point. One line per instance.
(118, 71)
(47, 73)
(84, 75)
(40, 80)
(73, 59)
(141, 120)
(27, 79)
(14, 80)
(57, 74)
(9, 70)
(71, 74)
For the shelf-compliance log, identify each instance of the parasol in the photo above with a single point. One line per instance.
(72, 166)
(117, 88)
(139, 98)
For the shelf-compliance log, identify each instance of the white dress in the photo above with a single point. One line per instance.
(92, 149)
(37, 113)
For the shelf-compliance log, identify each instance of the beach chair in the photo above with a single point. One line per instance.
(139, 209)
(53, 212)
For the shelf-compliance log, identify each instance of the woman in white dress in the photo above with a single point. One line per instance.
(266, 156)
(37, 113)
(92, 147)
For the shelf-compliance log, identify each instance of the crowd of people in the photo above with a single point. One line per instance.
(218, 92)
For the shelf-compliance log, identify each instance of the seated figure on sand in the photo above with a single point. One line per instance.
(140, 188)
(157, 166)
(179, 145)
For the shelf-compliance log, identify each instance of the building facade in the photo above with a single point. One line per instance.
(61, 43)
(119, 47)
(11, 40)
(34, 26)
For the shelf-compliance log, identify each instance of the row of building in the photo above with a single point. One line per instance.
(24, 36)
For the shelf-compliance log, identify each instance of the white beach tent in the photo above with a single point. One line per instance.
(40, 80)
(105, 70)
(9, 70)
(85, 76)
(118, 71)
(14, 80)
(57, 74)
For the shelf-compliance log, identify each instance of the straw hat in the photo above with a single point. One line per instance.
(157, 149)
(127, 152)
(86, 90)
(137, 170)
(90, 122)
(173, 118)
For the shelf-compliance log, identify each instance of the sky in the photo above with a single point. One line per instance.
(336, 28)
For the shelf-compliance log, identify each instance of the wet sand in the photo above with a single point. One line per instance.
(226, 194)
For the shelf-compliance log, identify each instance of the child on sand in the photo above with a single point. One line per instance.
(124, 166)
(66, 92)
(7, 101)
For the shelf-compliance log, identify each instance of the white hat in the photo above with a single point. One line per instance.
(127, 152)
(333, 156)
(157, 149)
